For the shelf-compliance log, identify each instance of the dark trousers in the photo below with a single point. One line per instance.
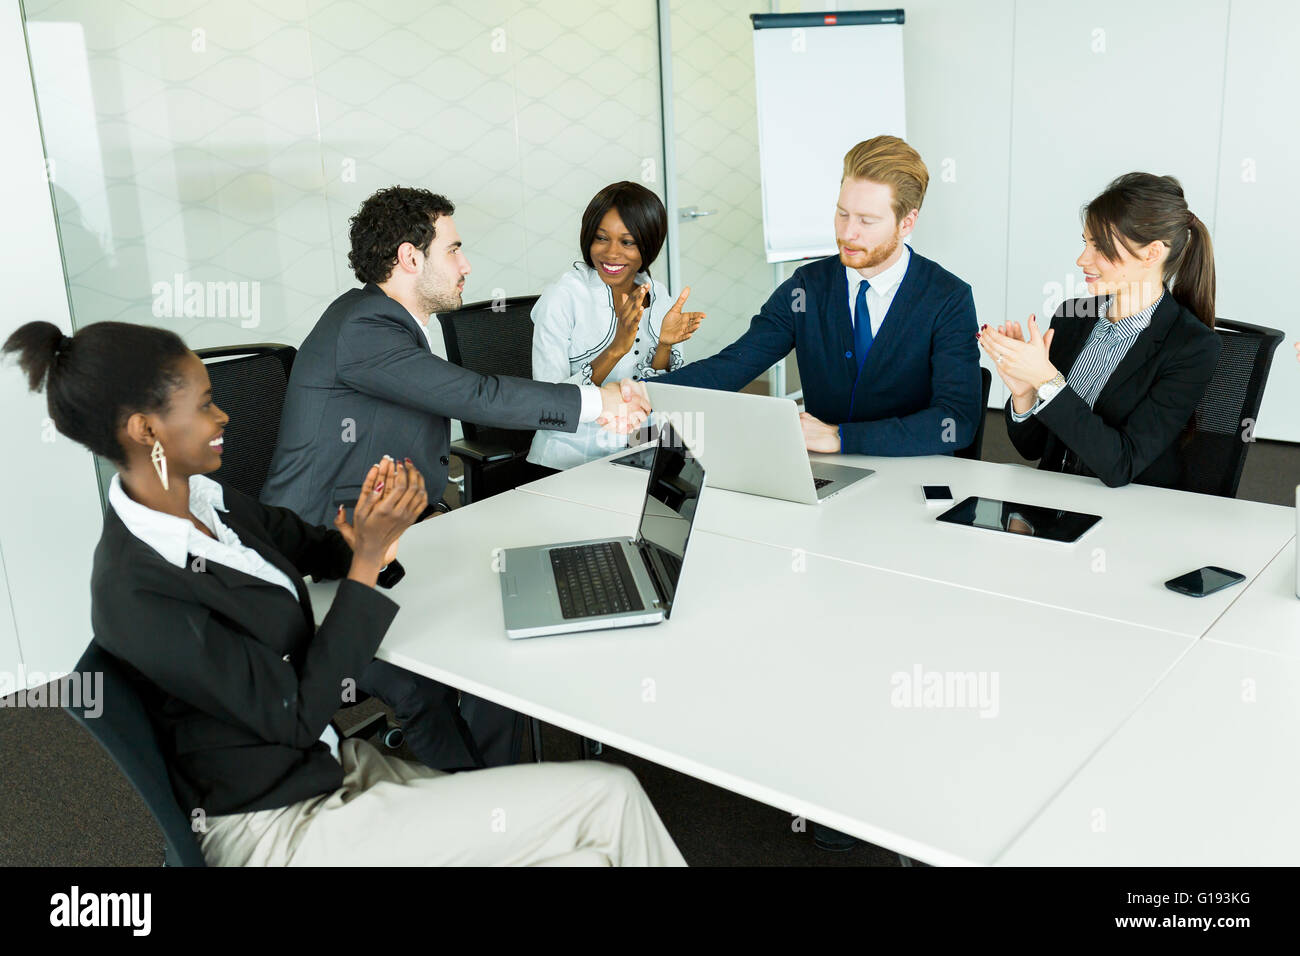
(445, 729)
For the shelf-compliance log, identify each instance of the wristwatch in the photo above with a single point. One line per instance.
(1051, 387)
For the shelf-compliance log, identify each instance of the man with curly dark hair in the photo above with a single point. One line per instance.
(366, 383)
(386, 220)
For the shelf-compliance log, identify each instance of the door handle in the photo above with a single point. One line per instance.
(694, 212)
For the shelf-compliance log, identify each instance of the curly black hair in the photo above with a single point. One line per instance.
(387, 219)
(97, 379)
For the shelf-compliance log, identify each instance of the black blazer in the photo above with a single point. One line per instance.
(364, 384)
(236, 677)
(1132, 432)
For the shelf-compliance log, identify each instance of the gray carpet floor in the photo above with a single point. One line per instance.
(64, 803)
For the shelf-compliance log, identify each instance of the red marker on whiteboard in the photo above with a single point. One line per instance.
(830, 20)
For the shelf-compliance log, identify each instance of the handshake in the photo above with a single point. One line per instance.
(624, 407)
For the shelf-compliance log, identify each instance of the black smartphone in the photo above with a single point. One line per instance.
(1204, 581)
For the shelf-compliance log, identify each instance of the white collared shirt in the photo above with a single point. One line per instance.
(592, 405)
(880, 292)
(424, 327)
(175, 539)
(573, 323)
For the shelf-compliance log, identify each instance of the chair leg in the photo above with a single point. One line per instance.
(535, 731)
(591, 748)
(469, 486)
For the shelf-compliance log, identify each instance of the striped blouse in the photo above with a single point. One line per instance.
(1101, 354)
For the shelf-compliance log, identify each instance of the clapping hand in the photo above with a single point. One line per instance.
(1022, 365)
(392, 497)
(629, 317)
(678, 326)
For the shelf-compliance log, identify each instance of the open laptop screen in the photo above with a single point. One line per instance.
(672, 495)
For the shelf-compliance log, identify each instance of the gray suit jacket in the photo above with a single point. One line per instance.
(365, 384)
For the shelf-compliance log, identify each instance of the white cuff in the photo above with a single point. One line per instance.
(1043, 402)
(592, 405)
(1023, 416)
(1039, 405)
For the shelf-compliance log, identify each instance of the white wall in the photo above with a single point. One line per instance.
(10, 655)
(1256, 243)
(50, 516)
(1123, 58)
(959, 119)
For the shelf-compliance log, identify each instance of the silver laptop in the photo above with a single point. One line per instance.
(615, 582)
(749, 443)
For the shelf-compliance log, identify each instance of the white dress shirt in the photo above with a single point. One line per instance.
(573, 322)
(880, 292)
(175, 539)
(592, 405)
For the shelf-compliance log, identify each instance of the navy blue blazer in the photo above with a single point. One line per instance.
(918, 392)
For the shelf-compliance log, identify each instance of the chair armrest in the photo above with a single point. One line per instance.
(481, 453)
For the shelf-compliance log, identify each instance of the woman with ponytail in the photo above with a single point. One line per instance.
(1110, 389)
(199, 591)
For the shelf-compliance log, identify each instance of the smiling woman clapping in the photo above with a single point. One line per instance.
(199, 590)
(605, 318)
(1110, 389)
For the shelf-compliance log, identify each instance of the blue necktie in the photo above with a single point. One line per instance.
(862, 337)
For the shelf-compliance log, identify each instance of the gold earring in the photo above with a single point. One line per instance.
(159, 460)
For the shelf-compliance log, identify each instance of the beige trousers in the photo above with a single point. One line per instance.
(391, 812)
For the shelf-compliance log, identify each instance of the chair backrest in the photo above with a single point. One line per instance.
(122, 727)
(976, 447)
(1215, 452)
(248, 384)
(493, 338)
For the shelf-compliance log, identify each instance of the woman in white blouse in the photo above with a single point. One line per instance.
(606, 318)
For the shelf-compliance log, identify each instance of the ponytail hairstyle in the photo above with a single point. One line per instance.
(1140, 208)
(95, 380)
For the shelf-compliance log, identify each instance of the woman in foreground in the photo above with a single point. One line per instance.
(198, 590)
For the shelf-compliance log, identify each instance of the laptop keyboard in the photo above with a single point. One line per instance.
(820, 483)
(594, 579)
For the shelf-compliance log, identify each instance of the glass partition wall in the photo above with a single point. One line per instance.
(206, 157)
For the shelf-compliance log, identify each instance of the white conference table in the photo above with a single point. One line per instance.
(1206, 771)
(1116, 571)
(779, 676)
(1266, 616)
(1204, 774)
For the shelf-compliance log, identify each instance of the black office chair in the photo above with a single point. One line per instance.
(973, 450)
(124, 730)
(248, 384)
(492, 338)
(1215, 452)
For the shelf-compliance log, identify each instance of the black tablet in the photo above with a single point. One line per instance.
(1031, 521)
(642, 458)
